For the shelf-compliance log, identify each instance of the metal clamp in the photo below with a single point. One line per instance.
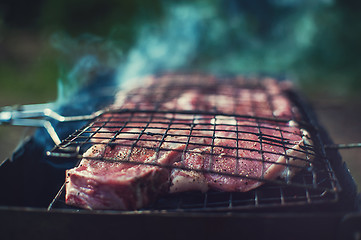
(38, 115)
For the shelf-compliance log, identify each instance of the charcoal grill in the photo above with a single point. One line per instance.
(316, 199)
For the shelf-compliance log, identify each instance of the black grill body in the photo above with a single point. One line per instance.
(31, 180)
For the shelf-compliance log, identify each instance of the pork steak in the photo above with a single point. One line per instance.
(122, 169)
(151, 142)
(243, 156)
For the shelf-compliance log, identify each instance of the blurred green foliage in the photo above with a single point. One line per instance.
(29, 65)
(110, 19)
(334, 62)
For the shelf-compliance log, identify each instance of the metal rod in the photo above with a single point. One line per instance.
(50, 207)
(33, 115)
(50, 129)
(28, 114)
(343, 146)
(54, 115)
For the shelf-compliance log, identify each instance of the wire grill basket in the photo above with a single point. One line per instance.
(240, 131)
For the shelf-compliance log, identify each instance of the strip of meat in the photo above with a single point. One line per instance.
(111, 185)
(100, 184)
(261, 151)
(202, 94)
(122, 169)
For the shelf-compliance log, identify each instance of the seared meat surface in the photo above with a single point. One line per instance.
(244, 152)
(184, 133)
(103, 181)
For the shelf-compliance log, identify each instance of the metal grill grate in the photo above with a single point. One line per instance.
(234, 124)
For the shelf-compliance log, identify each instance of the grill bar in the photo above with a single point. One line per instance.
(344, 146)
(321, 148)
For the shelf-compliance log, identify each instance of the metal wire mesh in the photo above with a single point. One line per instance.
(234, 125)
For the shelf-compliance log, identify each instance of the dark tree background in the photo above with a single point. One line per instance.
(29, 64)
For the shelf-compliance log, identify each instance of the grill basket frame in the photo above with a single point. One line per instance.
(312, 194)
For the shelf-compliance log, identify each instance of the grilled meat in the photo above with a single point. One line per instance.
(174, 136)
(246, 153)
(122, 174)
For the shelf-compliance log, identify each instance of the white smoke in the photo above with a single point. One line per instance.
(82, 58)
(224, 37)
(227, 37)
(164, 47)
